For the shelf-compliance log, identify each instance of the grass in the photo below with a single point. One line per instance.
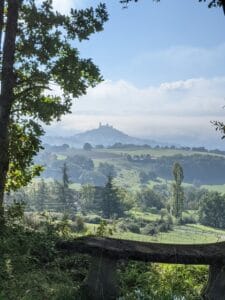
(145, 216)
(128, 173)
(182, 234)
(75, 186)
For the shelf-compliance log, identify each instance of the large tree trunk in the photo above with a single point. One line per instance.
(2, 5)
(6, 97)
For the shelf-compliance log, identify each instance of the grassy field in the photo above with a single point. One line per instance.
(128, 172)
(182, 234)
(187, 234)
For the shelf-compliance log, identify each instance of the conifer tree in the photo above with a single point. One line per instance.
(111, 202)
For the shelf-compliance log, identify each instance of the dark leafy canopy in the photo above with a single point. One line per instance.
(211, 212)
(46, 60)
(211, 3)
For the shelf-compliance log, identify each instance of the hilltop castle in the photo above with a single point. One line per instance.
(106, 125)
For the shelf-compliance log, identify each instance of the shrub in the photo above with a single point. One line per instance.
(133, 227)
(157, 226)
(161, 281)
(79, 224)
(150, 229)
(188, 219)
(93, 219)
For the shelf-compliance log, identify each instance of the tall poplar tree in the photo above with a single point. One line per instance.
(38, 54)
(178, 193)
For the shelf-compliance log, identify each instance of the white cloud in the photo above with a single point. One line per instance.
(64, 6)
(173, 110)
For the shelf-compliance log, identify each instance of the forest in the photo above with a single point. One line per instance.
(54, 196)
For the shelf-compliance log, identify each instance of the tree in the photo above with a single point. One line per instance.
(111, 202)
(87, 147)
(211, 211)
(67, 196)
(107, 169)
(41, 195)
(38, 54)
(178, 193)
(148, 199)
(87, 197)
(211, 3)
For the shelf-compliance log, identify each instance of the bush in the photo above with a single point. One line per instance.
(133, 228)
(164, 226)
(211, 211)
(93, 219)
(188, 219)
(157, 226)
(150, 229)
(79, 224)
(161, 281)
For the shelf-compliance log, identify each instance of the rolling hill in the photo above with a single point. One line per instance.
(105, 135)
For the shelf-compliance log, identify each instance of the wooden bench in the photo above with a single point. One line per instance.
(101, 281)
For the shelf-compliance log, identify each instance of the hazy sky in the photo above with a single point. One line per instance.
(164, 70)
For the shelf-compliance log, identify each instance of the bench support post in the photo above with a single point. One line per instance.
(215, 289)
(101, 281)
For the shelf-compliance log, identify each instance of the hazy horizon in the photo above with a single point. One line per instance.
(164, 75)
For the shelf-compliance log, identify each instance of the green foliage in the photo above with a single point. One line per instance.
(80, 225)
(178, 193)
(92, 177)
(159, 281)
(103, 229)
(87, 197)
(15, 213)
(24, 144)
(32, 268)
(192, 197)
(212, 208)
(66, 193)
(145, 177)
(162, 225)
(189, 217)
(107, 169)
(41, 195)
(147, 199)
(133, 227)
(111, 200)
(45, 56)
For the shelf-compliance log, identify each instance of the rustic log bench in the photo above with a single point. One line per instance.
(101, 281)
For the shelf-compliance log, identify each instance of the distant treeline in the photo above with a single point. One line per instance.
(199, 169)
(65, 147)
(194, 149)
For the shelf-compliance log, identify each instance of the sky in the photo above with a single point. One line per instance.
(164, 72)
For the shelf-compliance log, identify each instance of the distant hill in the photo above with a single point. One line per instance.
(105, 135)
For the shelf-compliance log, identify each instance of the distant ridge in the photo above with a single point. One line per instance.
(105, 135)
